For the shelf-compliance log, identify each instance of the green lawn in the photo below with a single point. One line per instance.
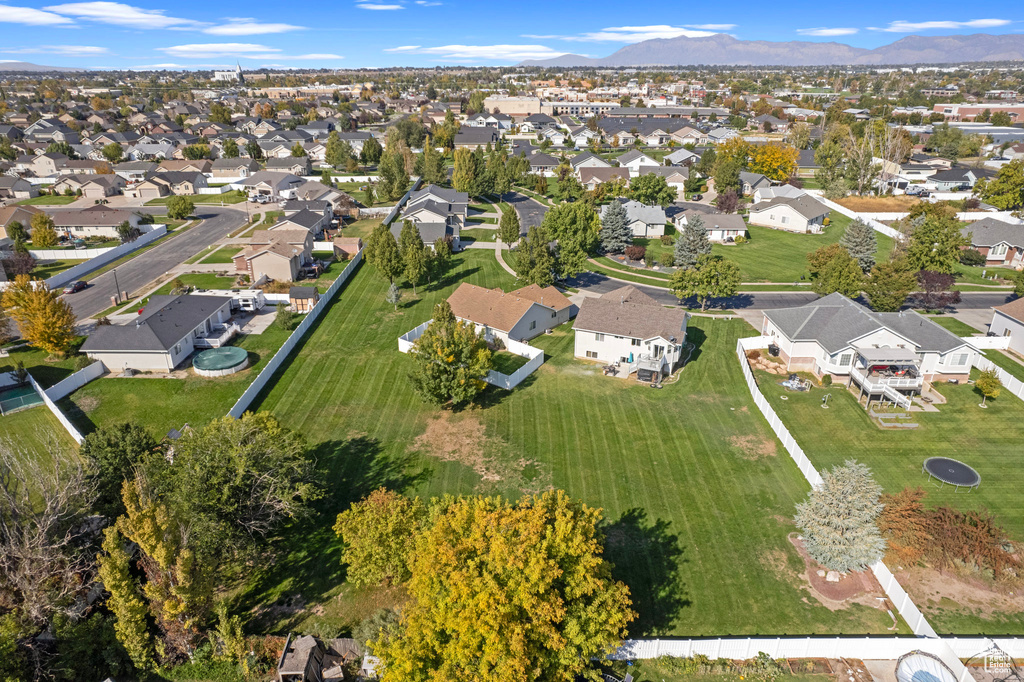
(973, 275)
(1013, 367)
(696, 492)
(37, 431)
(233, 197)
(507, 363)
(163, 404)
(478, 219)
(48, 200)
(354, 191)
(954, 325)
(988, 440)
(45, 269)
(360, 228)
(200, 280)
(46, 372)
(224, 255)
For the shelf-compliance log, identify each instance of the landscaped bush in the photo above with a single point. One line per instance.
(740, 239)
(666, 240)
(972, 257)
(666, 260)
(754, 355)
(826, 380)
(826, 221)
(649, 258)
(636, 252)
(972, 203)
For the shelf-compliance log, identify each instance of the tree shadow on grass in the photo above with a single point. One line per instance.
(306, 564)
(646, 556)
(697, 337)
(450, 278)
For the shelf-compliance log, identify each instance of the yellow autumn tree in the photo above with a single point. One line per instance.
(125, 602)
(44, 234)
(507, 592)
(774, 161)
(45, 320)
(734, 149)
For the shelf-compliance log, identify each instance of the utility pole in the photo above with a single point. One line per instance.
(117, 287)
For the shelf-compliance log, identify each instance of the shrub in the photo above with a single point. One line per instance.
(972, 257)
(666, 260)
(81, 361)
(636, 252)
(703, 188)
(971, 203)
(740, 239)
(754, 355)
(826, 221)
(666, 239)
(826, 380)
(648, 258)
(286, 319)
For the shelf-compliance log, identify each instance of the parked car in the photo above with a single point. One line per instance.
(74, 287)
(696, 197)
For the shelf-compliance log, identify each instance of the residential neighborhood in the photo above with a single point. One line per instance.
(653, 353)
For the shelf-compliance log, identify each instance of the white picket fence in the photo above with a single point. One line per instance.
(52, 406)
(70, 384)
(893, 590)
(508, 382)
(243, 402)
(108, 256)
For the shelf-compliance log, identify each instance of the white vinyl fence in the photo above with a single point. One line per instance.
(508, 382)
(897, 595)
(988, 342)
(406, 340)
(398, 207)
(82, 269)
(72, 383)
(222, 189)
(69, 254)
(874, 224)
(323, 246)
(52, 406)
(967, 216)
(1010, 383)
(242, 404)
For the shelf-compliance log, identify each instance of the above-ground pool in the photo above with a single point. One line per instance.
(218, 362)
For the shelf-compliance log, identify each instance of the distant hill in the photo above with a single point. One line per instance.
(29, 66)
(722, 49)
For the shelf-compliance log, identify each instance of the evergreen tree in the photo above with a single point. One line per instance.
(394, 295)
(838, 519)
(509, 227)
(692, 243)
(860, 241)
(615, 234)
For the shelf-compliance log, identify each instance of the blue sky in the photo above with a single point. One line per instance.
(373, 33)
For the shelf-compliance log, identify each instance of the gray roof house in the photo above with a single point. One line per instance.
(164, 335)
(802, 213)
(752, 181)
(1001, 243)
(645, 221)
(886, 354)
(958, 178)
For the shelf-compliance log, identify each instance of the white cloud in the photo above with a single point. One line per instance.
(375, 6)
(633, 34)
(826, 31)
(425, 3)
(713, 27)
(120, 14)
(249, 27)
(31, 17)
(68, 50)
(913, 26)
(212, 50)
(481, 52)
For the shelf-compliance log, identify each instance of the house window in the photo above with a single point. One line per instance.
(553, 313)
(998, 250)
(533, 324)
(592, 354)
(599, 337)
(634, 342)
(960, 360)
(177, 348)
(785, 219)
(844, 359)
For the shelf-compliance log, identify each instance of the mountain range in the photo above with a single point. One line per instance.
(29, 66)
(725, 50)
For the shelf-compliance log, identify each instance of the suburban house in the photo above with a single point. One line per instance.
(634, 159)
(187, 165)
(16, 214)
(434, 204)
(432, 232)
(675, 176)
(1008, 320)
(296, 165)
(135, 171)
(554, 136)
(591, 176)
(472, 138)
(164, 335)
(794, 214)
(307, 659)
(722, 135)
(806, 165)
(16, 188)
(1001, 243)
(95, 221)
(234, 168)
(837, 336)
(628, 327)
(588, 160)
(272, 184)
(304, 219)
(722, 228)
(91, 186)
(536, 122)
(768, 193)
(645, 221)
(749, 182)
(682, 157)
(958, 178)
(166, 183)
(275, 254)
(542, 163)
(519, 315)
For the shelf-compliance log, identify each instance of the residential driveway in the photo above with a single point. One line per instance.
(135, 274)
(530, 211)
(979, 318)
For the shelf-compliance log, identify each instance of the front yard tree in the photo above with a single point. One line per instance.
(450, 360)
(727, 175)
(382, 252)
(465, 174)
(575, 227)
(728, 201)
(179, 208)
(486, 603)
(935, 239)
(935, 290)
(45, 319)
(615, 234)
(692, 243)
(711, 277)
(44, 234)
(113, 152)
(1018, 284)
(838, 519)
(509, 226)
(230, 150)
(839, 274)
(860, 241)
(988, 384)
(378, 534)
(1006, 190)
(652, 190)
(889, 286)
(534, 263)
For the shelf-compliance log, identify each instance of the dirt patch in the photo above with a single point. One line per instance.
(463, 439)
(900, 204)
(930, 588)
(856, 587)
(87, 403)
(753, 447)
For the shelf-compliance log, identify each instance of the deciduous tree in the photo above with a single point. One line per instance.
(180, 208)
(774, 161)
(840, 274)
(379, 532)
(575, 227)
(1006, 190)
(988, 385)
(711, 277)
(935, 239)
(509, 227)
(229, 150)
(450, 360)
(465, 174)
(838, 519)
(113, 152)
(125, 601)
(936, 290)
(533, 261)
(889, 286)
(112, 453)
(45, 319)
(383, 253)
(44, 234)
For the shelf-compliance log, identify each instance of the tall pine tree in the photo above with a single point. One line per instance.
(615, 233)
(859, 239)
(692, 243)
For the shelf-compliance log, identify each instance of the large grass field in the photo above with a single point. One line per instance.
(989, 440)
(36, 431)
(163, 404)
(696, 492)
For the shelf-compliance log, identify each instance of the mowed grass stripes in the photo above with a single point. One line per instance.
(696, 492)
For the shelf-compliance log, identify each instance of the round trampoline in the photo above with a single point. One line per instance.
(918, 666)
(952, 472)
(218, 362)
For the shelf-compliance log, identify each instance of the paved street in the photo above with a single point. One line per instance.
(531, 212)
(147, 266)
